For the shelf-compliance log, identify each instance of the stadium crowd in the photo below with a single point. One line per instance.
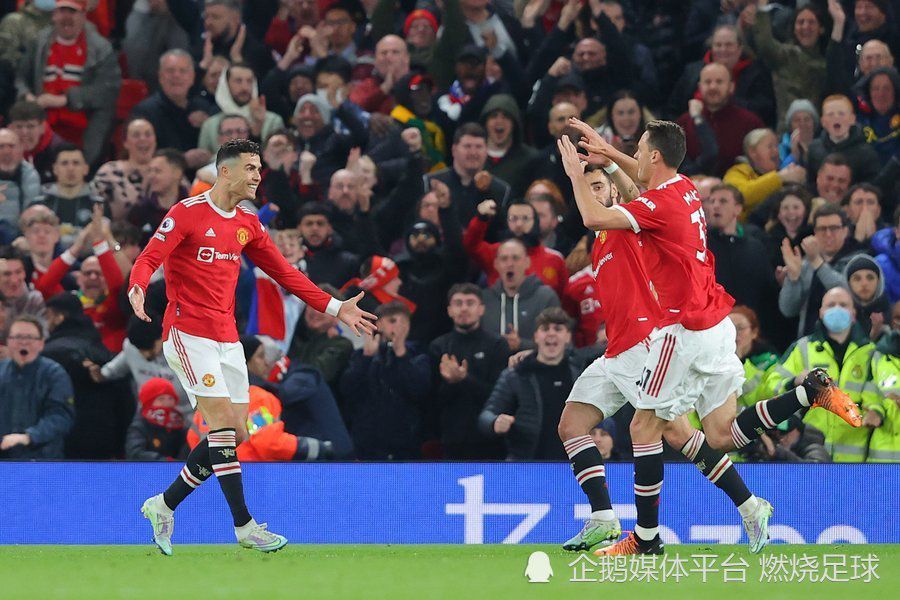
(409, 152)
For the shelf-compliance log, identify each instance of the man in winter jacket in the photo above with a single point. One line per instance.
(512, 304)
(842, 135)
(36, 407)
(20, 182)
(528, 399)
(157, 431)
(508, 155)
(466, 363)
(327, 261)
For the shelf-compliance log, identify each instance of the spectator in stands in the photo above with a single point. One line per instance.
(646, 75)
(351, 215)
(18, 28)
(827, 251)
(798, 65)
(729, 122)
(317, 342)
(231, 127)
(341, 19)
(285, 27)
(883, 414)
(373, 94)
(887, 251)
(841, 135)
(80, 92)
(39, 141)
(495, 29)
(623, 121)
(528, 399)
(150, 32)
(387, 382)
(801, 122)
(522, 223)
(550, 212)
(157, 431)
(793, 441)
(225, 35)
(102, 411)
(874, 54)
(833, 178)
(863, 207)
(466, 363)
(121, 183)
(742, 265)
(548, 165)
(467, 189)
(513, 303)
(317, 135)
(756, 174)
(40, 234)
(15, 297)
(164, 188)
(756, 354)
(866, 283)
(839, 345)
(19, 184)
(871, 22)
(413, 108)
(36, 412)
(879, 112)
(237, 94)
(752, 81)
(70, 197)
(287, 82)
(788, 220)
(174, 111)
(508, 155)
(326, 259)
(141, 360)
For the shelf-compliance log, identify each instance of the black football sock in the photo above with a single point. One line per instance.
(587, 465)
(766, 415)
(717, 467)
(648, 480)
(223, 456)
(196, 470)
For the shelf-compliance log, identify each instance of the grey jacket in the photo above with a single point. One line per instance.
(794, 295)
(502, 311)
(19, 194)
(96, 95)
(131, 363)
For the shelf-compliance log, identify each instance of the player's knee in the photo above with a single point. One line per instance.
(568, 429)
(719, 440)
(646, 427)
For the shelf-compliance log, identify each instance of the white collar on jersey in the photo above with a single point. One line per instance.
(221, 212)
(675, 179)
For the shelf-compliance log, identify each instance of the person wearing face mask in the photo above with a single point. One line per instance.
(839, 345)
(866, 282)
(883, 415)
(522, 223)
(36, 412)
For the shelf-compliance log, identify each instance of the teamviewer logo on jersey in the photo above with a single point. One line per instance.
(206, 254)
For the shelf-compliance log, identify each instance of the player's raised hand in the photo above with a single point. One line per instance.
(353, 316)
(571, 160)
(136, 298)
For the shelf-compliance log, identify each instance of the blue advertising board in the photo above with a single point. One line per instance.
(456, 503)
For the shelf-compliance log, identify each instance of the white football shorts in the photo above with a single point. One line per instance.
(208, 368)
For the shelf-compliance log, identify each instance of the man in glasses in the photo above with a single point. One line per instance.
(818, 268)
(36, 409)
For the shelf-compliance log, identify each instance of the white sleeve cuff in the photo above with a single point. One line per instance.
(101, 248)
(68, 258)
(634, 224)
(334, 305)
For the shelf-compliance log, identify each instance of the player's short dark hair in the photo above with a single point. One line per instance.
(736, 194)
(335, 65)
(314, 208)
(330, 289)
(25, 110)
(668, 138)
(173, 157)
(143, 335)
(234, 148)
(473, 129)
(466, 289)
(864, 186)
(553, 315)
(66, 147)
(30, 319)
(829, 210)
(394, 307)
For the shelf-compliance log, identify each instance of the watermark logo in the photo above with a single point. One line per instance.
(538, 569)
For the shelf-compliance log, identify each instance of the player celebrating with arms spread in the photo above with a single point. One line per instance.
(692, 361)
(201, 241)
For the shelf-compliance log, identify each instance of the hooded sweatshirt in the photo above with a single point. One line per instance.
(879, 302)
(519, 311)
(882, 131)
(209, 132)
(511, 167)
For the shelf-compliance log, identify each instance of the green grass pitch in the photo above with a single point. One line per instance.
(491, 572)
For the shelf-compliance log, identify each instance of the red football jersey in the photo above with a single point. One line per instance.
(581, 300)
(201, 247)
(672, 225)
(626, 299)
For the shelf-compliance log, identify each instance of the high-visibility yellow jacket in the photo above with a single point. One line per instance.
(884, 445)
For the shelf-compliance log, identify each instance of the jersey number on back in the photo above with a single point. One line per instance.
(699, 219)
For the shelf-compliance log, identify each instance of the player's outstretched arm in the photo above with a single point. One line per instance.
(356, 318)
(594, 144)
(594, 215)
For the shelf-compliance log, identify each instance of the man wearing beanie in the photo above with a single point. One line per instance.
(312, 119)
(158, 432)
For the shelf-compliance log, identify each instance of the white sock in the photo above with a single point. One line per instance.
(749, 507)
(603, 515)
(801, 395)
(244, 530)
(162, 507)
(646, 533)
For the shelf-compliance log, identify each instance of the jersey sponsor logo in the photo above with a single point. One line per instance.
(606, 258)
(167, 225)
(210, 232)
(647, 202)
(243, 236)
(209, 380)
(205, 254)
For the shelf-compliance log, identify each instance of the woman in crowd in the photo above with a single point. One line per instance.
(122, 182)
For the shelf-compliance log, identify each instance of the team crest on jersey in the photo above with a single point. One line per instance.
(602, 237)
(549, 273)
(167, 225)
(209, 380)
(243, 236)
